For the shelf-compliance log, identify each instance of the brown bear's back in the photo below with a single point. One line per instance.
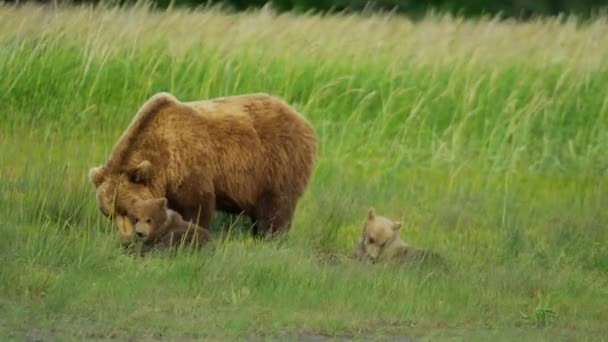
(269, 141)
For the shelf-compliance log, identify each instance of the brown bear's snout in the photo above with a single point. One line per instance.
(140, 235)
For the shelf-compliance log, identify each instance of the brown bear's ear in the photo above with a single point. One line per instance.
(371, 214)
(142, 172)
(162, 203)
(96, 175)
(396, 225)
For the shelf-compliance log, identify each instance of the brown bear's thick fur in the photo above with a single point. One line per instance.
(155, 225)
(251, 153)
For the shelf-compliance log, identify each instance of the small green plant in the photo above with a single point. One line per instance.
(542, 315)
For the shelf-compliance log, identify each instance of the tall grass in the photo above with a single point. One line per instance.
(487, 138)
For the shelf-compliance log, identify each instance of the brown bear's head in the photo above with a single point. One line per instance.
(150, 217)
(116, 192)
(378, 234)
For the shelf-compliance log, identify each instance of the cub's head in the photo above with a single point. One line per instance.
(378, 234)
(117, 190)
(150, 217)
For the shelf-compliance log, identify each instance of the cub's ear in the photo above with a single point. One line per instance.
(162, 203)
(142, 172)
(371, 214)
(396, 225)
(96, 175)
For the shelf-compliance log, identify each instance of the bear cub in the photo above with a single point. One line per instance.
(381, 242)
(156, 224)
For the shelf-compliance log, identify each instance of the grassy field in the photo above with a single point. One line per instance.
(488, 139)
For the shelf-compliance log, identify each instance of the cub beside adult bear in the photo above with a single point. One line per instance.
(155, 224)
(250, 154)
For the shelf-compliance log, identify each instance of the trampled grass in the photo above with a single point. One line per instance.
(488, 139)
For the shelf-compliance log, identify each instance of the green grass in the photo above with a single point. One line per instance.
(487, 139)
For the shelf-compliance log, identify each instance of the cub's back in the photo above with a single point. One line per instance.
(179, 229)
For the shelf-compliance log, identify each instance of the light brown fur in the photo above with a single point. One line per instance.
(251, 153)
(381, 242)
(155, 224)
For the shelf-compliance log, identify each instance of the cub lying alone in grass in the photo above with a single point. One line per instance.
(381, 243)
(157, 225)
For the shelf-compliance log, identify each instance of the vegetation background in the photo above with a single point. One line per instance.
(413, 8)
(488, 138)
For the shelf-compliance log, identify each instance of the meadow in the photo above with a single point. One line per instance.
(487, 138)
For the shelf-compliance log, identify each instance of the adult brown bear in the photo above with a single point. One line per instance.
(250, 154)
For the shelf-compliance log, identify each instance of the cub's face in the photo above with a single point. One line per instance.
(149, 217)
(378, 233)
(116, 192)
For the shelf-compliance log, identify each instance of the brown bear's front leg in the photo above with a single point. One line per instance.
(202, 214)
(273, 215)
